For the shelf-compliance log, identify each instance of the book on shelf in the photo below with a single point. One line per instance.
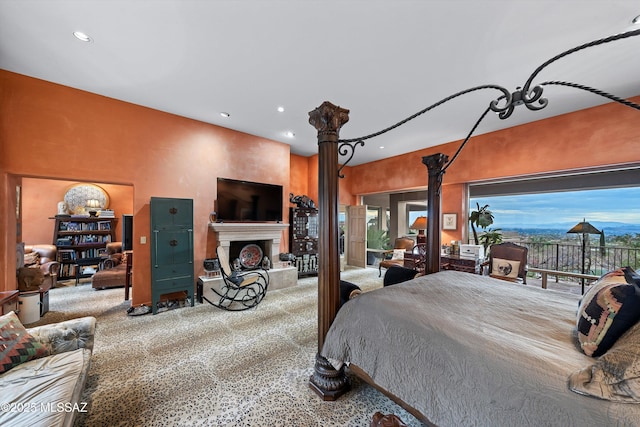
(107, 213)
(66, 255)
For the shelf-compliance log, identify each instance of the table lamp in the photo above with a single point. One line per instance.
(420, 224)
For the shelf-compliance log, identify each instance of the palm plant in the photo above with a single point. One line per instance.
(490, 237)
(482, 218)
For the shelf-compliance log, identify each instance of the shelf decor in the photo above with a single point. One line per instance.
(77, 196)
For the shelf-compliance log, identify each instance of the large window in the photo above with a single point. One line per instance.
(610, 201)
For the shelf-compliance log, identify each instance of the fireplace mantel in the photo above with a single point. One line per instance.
(228, 232)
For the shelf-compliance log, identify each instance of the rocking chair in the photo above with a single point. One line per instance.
(239, 290)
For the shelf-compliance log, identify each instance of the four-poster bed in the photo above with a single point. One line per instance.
(383, 305)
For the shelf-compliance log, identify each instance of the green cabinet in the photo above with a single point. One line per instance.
(171, 248)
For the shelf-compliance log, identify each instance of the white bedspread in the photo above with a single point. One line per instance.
(469, 350)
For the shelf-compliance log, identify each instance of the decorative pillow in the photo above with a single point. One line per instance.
(505, 268)
(398, 254)
(607, 311)
(31, 258)
(16, 344)
(616, 375)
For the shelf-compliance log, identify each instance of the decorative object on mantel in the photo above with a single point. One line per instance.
(77, 195)
(302, 201)
(213, 216)
(251, 256)
(236, 266)
(266, 263)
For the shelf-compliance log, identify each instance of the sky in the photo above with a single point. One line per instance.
(621, 205)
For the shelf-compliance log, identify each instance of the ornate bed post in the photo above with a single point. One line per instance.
(328, 119)
(434, 163)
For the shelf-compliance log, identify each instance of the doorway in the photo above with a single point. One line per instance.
(39, 198)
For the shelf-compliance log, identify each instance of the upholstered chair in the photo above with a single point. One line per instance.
(44, 256)
(396, 255)
(113, 270)
(508, 261)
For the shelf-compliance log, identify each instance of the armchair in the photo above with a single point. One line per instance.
(44, 256)
(113, 269)
(395, 256)
(508, 261)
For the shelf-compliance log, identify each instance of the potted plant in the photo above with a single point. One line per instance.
(481, 218)
(376, 239)
(490, 237)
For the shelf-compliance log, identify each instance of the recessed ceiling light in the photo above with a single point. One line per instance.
(381, 147)
(225, 114)
(289, 134)
(636, 20)
(82, 36)
(280, 109)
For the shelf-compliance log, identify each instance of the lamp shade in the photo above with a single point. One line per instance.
(419, 224)
(93, 203)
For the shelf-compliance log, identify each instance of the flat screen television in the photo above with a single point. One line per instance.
(248, 201)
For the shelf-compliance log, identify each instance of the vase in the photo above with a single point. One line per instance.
(211, 265)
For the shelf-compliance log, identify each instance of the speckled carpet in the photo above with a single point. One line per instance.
(202, 366)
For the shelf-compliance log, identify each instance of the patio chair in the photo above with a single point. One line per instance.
(508, 261)
(239, 290)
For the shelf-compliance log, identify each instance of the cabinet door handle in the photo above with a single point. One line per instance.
(173, 243)
(190, 230)
(155, 243)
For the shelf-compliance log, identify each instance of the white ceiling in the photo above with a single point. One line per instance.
(383, 60)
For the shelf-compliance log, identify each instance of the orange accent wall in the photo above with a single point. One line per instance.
(603, 136)
(56, 132)
(40, 199)
(49, 131)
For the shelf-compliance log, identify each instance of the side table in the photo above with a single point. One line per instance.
(9, 301)
(84, 262)
(458, 263)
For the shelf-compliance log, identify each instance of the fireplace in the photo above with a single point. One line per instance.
(267, 235)
(234, 236)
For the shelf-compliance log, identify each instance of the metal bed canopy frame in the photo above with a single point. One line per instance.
(327, 119)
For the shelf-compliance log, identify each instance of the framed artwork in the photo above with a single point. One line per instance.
(449, 221)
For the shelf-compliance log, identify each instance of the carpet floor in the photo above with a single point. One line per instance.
(202, 366)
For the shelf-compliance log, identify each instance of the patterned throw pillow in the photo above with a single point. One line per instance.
(398, 254)
(607, 311)
(505, 268)
(616, 375)
(16, 345)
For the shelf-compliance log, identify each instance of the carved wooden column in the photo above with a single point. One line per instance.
(328, 119)
(434, 163)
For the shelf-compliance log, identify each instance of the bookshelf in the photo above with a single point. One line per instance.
(81, 242)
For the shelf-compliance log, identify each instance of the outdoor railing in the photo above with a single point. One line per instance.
(569, 258)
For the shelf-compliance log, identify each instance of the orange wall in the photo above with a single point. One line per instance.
(52, 131)
(304, 179)
(601, 136)
(40, 199)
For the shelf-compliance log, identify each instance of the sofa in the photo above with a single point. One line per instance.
(44, 371)
(113, 270)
